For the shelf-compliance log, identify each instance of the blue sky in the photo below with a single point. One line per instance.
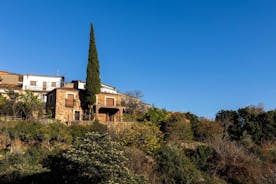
(197, 55)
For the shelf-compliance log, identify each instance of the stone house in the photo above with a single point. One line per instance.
(10, 81)
(66, 104)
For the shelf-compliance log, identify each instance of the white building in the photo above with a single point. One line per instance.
(108, 89)
(41, 84)
(104, 88)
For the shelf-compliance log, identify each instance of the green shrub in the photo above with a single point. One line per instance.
(94, 158)
(16, 166)
(156, 116)
(178, 129)
(174, 167)
(208, 130)
(80, 131)
(144, 136)
(29, 132)
(203, 157)
(59, 133)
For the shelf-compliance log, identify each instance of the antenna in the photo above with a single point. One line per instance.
(57, 72)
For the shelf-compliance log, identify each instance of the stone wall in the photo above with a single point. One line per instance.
(9, 79)
(64, 113)
(102, 96)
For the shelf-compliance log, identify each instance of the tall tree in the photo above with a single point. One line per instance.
(93, 81)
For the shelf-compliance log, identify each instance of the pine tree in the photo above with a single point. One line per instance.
(93, 82)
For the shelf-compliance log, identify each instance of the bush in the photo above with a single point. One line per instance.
(178, 129)
(59, 133)
(29, 132)
(141, 164)
(16, 166)
(203, 157)
(156, 116)
(174, 167)
(234, 164)
(94, 158)
(208, 130)
(80, 131)
(144, 136)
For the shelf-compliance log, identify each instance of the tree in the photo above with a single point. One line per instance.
(177, 129)
(208, 130)
(12, 105)
(234, 164)
(93, 81)
(94, 158)
(194, 121)
(134, 107)
(157, 116)
(30, 104)
(174, 167)
(250, 121)
(144, 136)
(3, 102)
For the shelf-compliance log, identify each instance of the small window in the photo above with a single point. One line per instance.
(54, 84)
(77, 115)
(33, 83)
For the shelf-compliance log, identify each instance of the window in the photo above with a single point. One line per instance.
(54, 84)
(33, 83)
(69, 102)
(44, 86)
(77, 115)
(110, 102)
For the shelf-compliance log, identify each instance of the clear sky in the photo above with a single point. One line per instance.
(184, 55)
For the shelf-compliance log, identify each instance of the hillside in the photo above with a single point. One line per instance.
(159, 147)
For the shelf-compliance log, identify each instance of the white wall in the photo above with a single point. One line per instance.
(104, 88)
(39, 82)
(108, 89)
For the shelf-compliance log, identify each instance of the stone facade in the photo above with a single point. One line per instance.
(65, 104)
(108, 107)
(63, 107)
(10, 80)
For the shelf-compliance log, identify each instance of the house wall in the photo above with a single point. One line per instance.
(38, 89)
(116, 109)
(101, 99)
(64, 113)
(56, 103)
(9, 79)
(108, 89)
(39, 82)
(104, 88)
(68, 85)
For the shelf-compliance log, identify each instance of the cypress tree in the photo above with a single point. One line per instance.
(93, 81)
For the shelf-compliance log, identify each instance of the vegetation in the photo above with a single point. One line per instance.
(160, 147)
(134, 107)
(93, 81)
(26, 105)
(252, 121)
